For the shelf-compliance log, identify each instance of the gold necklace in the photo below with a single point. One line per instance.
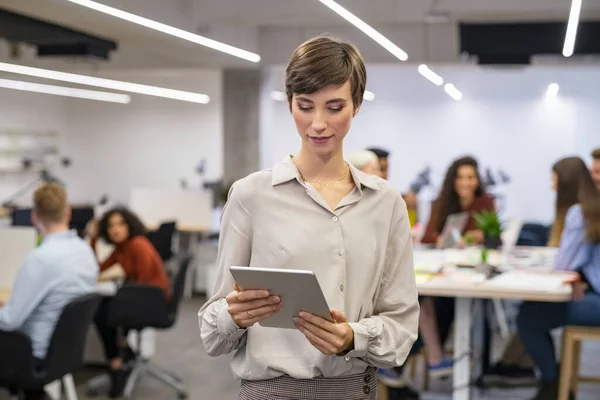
(325, 184)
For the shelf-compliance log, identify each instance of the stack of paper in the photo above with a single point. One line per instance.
(522, 280)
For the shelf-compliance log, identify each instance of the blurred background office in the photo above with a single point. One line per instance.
(161, 115)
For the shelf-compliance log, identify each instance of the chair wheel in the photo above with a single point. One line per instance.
(182, 395)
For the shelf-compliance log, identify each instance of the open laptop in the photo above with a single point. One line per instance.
(452, 232)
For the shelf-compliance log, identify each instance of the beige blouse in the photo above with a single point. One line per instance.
(361, 253)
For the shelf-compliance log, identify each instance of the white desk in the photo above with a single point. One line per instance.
(464, 292)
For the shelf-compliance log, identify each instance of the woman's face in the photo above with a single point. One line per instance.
(554, 181)
(118, 231)
(323, 118)
(466, 182)
(372, 168)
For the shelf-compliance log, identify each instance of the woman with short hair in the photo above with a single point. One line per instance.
(314, 211)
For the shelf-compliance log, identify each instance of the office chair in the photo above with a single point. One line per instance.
(533, 235)
(65, 352)
(137, 307)
(162, 239)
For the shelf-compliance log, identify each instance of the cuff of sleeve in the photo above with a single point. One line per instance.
(361, 340)
(227, 327)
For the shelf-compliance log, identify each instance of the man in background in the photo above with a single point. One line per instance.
(60, 270)
(596, 167)
(382, 156)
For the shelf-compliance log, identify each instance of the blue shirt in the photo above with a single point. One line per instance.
(575, 252)
(61, 269)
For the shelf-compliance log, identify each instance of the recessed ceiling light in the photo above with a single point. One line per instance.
(169, 30)
(105, 83)
(453, 91)
(369, 96)
(552, 91)
(430, 75)
(278, 96)
(367, 29)
(64, 91)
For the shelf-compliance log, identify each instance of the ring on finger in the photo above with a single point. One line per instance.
(237, 294)
(250, 315)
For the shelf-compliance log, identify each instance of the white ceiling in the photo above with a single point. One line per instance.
(247, 23)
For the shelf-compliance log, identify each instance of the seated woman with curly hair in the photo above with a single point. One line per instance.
(142, 264)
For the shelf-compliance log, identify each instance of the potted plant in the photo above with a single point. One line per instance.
(489, 223)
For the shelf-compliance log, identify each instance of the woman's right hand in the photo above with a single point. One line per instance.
(248, 307)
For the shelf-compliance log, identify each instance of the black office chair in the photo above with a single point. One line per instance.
(65, 352)
(533, 235)
(137, 307)
(162, 239)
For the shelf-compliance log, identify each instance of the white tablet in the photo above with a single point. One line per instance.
(299, 290)
(452, 232)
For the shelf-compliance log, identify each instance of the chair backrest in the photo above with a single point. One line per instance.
(178, 285)
(162, 239)
(533, 235)
(66, 349)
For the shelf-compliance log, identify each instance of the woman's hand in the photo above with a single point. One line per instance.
(248, 307)
(329, 338)
(579, 289)
(476, 235)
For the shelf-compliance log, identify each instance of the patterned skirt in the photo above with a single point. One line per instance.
(352, 387)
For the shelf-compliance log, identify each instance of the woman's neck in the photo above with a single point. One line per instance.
(465, 202)
(320, 168)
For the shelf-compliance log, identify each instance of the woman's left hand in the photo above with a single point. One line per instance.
(477, 236)
(329, 338)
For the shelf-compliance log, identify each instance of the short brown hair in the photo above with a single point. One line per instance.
(596, 154)
(50, 203)
(323, 61)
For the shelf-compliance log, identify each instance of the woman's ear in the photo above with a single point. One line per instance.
(356, 109)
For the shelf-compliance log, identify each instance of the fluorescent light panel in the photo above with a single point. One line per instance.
(572, 26)
(369, 96)
(430, 75)
(453, 91)
(367, 29)
(105, 83)
(65, 91)
(169, 30)
(552, 91)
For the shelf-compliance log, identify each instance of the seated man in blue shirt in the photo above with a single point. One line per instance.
(60, 270)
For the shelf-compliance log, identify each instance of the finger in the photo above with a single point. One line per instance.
(262, 311)
(252, 304)
(322, 345)
(245, 322)
(247, 295)
(338, 316)
(327, 336)
(318, 321)
(236, 287)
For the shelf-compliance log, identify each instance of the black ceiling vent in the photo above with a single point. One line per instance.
(51, 39)
(516, 43)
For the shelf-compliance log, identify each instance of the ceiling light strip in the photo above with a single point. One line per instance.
(106, 83)
(430, 75)
(552, 91)
(363, 26)
(65, 91)
(572, 26)
(452, 91)
(169, 30)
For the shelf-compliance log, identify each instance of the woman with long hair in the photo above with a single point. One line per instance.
(462, 191)
(141, 264)
(313, 211)
(576, 232)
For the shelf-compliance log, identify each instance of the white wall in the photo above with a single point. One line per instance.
(151, 142)
(502, 120)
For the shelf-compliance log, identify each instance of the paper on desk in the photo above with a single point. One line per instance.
(523, 280)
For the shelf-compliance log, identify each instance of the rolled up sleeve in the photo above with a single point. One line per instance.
(218, 331)
(385, 339)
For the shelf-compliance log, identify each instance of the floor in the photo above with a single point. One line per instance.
(210, 378)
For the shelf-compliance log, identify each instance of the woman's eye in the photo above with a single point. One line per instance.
(336, 109)
(304, 108)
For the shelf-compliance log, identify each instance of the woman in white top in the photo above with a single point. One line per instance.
(313, 211)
